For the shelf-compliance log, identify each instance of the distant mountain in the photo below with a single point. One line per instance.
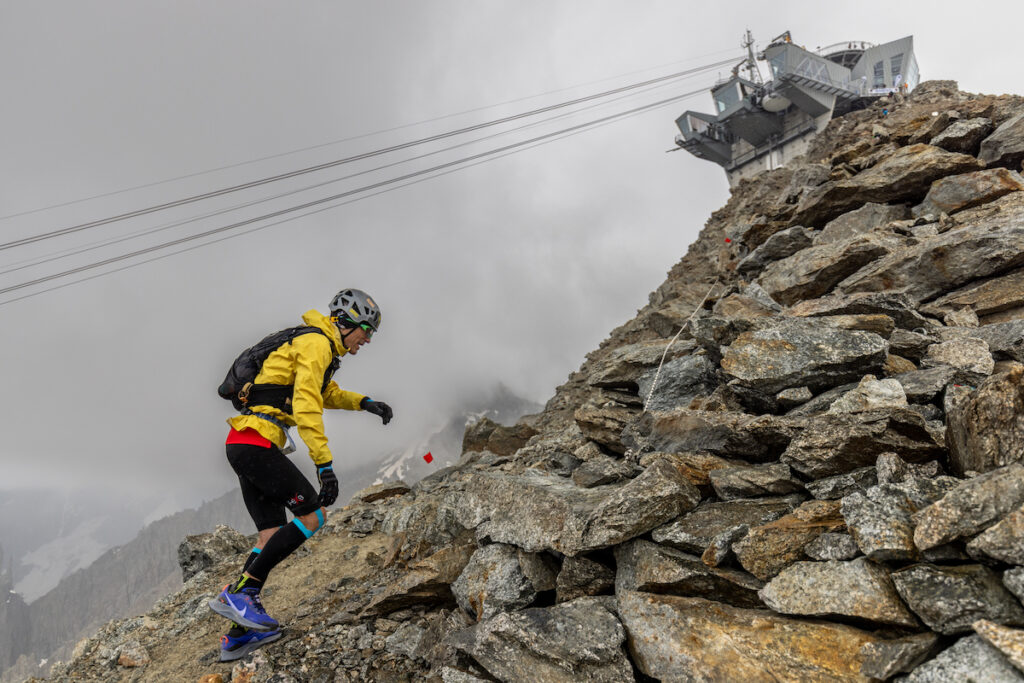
(445, 443)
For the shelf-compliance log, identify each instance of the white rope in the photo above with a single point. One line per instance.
(657, 375)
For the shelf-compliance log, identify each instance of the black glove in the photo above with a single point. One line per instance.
(377, 408)
(328, 484)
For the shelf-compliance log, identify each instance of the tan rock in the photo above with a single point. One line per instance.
(676, 638)
(985, 428)
(769, 548)
(896, 365)
(1009, 641)
(987, 298)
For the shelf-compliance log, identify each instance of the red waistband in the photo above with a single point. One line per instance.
(248, 436)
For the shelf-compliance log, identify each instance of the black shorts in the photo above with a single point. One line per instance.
(270, 483)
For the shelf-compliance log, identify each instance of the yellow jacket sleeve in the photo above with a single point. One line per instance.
(312, 356)
(336, 397)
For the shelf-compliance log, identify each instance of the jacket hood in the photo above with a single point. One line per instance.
(321, 321)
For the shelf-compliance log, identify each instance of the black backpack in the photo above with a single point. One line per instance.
(238, 386)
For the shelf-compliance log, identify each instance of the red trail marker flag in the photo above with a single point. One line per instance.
(428, 457)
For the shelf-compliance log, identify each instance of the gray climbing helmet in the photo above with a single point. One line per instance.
(353, 307)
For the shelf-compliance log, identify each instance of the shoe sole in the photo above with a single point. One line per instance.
(228, 612)
(251, 646)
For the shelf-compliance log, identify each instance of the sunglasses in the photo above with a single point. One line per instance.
(367, 329)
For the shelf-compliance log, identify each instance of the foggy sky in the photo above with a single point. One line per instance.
(506, 272)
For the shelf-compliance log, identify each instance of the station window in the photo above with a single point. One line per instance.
(727, 96)
(879, 81)
(896, 67)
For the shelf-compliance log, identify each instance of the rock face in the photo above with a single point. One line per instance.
(801, 460)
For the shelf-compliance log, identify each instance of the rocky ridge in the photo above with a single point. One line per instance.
(827, 482)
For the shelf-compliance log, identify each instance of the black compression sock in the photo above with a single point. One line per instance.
(236, 630)
(282, 544)
(249, 560)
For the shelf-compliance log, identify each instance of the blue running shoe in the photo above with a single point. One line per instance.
(236, 648)
(245, 608)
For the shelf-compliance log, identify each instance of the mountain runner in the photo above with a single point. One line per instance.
(291, 387)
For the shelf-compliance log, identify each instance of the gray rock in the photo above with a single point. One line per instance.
(922, 386)
(695, 530)
(986, 427)
(676, 638)
(1005, 340)
(895, 305)
(886, 658)
(602, 470)
(832, 547)
(871, 394)
(1005, 147)
(835, 444)
(790, 398)
(950, 599)
(1014, 580)
(969, 659)
(1009, 641)
(406, 640)
(892, 469)
(822, 402)
(859, 221)
(1003, 541)
(794, 352)
(679, 382)
(387, 489)
(814, 271)
(970, 357)
(649, 567)
(859, 588)
(955, 193)
(573, 641)
(963, 136)
(581, 576)
(540, 512)
(621, 368)
(493, 582)
(990, 242)
(842, 485)
(910, 344)
(973, 506)
(603, 421)
(781, 245)
(881, 519)
(202, 551)
(751, 481)
(753, 438)
(963, 317)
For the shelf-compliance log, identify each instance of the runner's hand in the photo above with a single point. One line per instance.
(377, 408)
(328, 484)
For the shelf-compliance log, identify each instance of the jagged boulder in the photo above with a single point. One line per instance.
(886, 658)
(694, 531)
(860, 221)
(968, 356)
(769, 548)
(963, 136)
(581, 576)
(950, 599)
(782, 244)
(969, 658)
(897, 306)
(990, 299)
(838, 443)
(971, 507)
(990, 242)
(858, 589)
(795, 352)
(903, 176)
(755, 438)
(1003, 541)
(496, 580)
(203, 551)
(578, 640)
(621, 368)
(986, 427)
(754, 480)
(1005, 147)
(1009, 641)
(955, 193)
(541, 512)
(678, 382)
(649, 567)
(678, 639)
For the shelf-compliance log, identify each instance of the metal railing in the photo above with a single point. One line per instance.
(844, 45)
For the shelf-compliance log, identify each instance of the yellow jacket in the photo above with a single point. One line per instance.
(303, 363)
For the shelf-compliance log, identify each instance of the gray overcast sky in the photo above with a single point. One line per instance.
(510, 271)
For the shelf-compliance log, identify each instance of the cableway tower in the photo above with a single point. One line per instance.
(759, 125)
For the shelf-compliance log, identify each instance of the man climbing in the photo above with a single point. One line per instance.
(286, 381)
